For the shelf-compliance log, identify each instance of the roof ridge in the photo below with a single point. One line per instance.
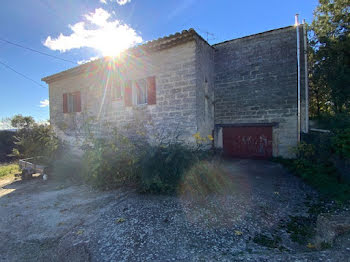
(256, 34)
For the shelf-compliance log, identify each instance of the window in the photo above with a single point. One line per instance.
(140, 86)
(140, 92)
(115, 87)
(71, 102)
(116, 91)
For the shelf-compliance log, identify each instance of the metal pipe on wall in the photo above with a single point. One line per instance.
(298, 61)
(306, 80)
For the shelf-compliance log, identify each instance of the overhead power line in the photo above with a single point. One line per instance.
(36, 51)
(26, 77)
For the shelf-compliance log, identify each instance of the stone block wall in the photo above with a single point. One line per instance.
(205, 87)
(256, 82)
(174, 112)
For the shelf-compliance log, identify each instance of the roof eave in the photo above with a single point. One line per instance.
(149, 47)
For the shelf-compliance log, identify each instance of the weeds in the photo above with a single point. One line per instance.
(301, 229)
(9, 169)
(204, 178)
(267, 241)
(316, 169)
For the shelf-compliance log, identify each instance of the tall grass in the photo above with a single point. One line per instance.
(9, 169)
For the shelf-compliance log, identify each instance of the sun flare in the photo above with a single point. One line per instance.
(98, 31)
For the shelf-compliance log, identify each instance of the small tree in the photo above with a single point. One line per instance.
(20, 122)
(32, 139)
(330, 58)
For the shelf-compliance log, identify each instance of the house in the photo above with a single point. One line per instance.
(243, 91)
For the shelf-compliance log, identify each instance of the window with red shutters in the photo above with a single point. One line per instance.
(72, 102)
(140, 92)
(151, 90)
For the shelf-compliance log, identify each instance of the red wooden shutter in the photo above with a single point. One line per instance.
(65, 103)
(77, 101)
(151, 91)
(128, 94)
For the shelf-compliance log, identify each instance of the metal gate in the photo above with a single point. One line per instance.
(248, 141)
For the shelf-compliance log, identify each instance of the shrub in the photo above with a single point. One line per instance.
(301, 229)
(304, 151)
(161, 167)
(341, 143)
(6, 145)
(333, 122)
(67, 168)
(117, 160)
(110, 162)
(319, 172)
(321, 144)
(38, 140)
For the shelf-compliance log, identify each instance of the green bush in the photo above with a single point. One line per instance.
(318, 172)
(341, 143)
(305, 151)
(67, 168)
(333, 122)
(6, 145)
(38, 140)
(153, 168)
(321, 144)
(110, 162)
(301, 229)
(161, 167)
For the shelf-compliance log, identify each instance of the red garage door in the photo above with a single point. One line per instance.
(248, 141)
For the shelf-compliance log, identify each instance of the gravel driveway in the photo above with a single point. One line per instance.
(51, 222)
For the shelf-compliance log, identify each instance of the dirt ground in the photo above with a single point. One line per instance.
(47, 221)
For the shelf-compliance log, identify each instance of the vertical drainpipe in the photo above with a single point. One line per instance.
(298, 59)
(306, 80)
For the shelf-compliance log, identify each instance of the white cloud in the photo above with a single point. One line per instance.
(119, 2)
(123, 2)
(44, 103)
(87, 60)
(97, 31)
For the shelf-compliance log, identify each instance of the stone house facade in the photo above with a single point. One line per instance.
(181, 84)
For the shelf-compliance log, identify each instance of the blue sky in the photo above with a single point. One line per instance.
(38, 24)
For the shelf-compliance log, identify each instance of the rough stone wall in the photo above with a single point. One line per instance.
(205, 87)
(174, 112)
(256, 82)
